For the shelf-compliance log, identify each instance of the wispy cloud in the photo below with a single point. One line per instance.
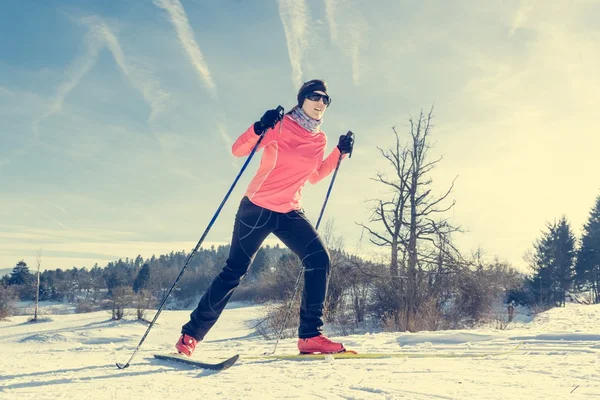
(185, 33)
(351, 39)
(59, 207)
(180, 171)
(99, 37)
(228, 142)
(522, 15)
(140, 78)
(5, 91)
(330, 7)
(222, 128)
(294, 18)
(62, 249)
(355, 55)
(75, 72)
(46, 216)
(29, 234)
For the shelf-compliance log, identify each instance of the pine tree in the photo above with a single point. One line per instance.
(564, 256)
(142, 280)
(588, 258)
(23, 280)
(553, 264)
(20, 275)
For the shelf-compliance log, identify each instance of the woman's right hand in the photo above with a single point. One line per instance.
(268, 121)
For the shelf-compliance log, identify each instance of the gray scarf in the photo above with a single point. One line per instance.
(311, 125)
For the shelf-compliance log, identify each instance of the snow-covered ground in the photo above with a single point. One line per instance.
(73, 357)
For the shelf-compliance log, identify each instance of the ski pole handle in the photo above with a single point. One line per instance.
(351, 135)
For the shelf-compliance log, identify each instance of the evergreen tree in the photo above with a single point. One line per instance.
(142, 280)
(20, 275)
(588, 258)
(116, 277)
(553, 264)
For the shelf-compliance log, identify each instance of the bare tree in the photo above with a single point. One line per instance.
(142, 301)
(413, 223)
(121, 299)
(38, 263)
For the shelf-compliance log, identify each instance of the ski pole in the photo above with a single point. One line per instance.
(349, 134)
(212, 221)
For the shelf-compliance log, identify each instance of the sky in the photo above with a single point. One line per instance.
(118, 116)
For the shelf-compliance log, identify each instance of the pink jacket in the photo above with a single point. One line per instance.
(290, 158)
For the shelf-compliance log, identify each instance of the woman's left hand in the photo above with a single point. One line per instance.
(345, 144)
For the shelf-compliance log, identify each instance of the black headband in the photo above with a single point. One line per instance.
(312, 87)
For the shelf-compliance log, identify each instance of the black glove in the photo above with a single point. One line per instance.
(346, 144)
(268, 121)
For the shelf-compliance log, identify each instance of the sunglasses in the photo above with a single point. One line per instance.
(318, 96)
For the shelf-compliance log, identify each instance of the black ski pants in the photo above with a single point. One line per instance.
(252, 225)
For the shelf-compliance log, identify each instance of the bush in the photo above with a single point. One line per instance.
(83, 307)
(280, 280)
(122, 297)
(472, 298)
(142, 301)
(386, 299)
(7, 301)
(278, 283)
(281, 321)
(450, 297)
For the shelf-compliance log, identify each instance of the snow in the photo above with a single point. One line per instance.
(73, 356)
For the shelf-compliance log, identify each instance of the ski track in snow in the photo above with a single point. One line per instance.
(73, 356)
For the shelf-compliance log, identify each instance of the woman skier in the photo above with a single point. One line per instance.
(293, 149)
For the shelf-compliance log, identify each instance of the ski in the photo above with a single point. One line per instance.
(221, 366)
(304, 357)
(350, 354)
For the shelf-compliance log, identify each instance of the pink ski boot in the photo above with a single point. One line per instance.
(319, 344)
(186, 345)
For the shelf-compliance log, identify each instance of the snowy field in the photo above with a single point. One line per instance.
(555, 356)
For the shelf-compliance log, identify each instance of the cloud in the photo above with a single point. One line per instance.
(294, 18)
(98, 37)
(59, 207)
(186, 174)
(140, 78)
(355, 55)
(526, 115)
(75, 72)
(47, 216)
(228, 142)
(185, 33)
(64, 249)
(352, 31)
(5, 91)
(222, 128)
(522, 15)
(41, 235)
(330, 8)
